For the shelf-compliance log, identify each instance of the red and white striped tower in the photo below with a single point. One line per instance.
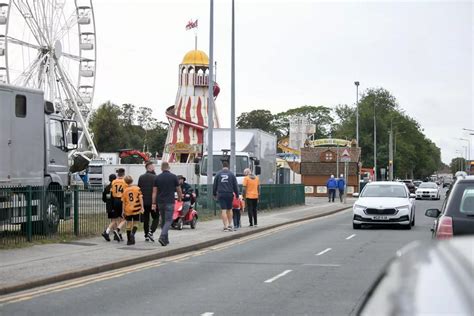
(188, 117)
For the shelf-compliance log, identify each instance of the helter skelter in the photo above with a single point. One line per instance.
(188, 117)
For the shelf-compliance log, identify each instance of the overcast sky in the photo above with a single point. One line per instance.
(291, 53)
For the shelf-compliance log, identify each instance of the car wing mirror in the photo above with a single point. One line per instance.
(355, 194)
(412, 196)
(433, 212)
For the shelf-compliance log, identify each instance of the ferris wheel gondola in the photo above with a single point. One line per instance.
(51, 45)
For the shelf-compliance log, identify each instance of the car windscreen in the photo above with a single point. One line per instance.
(394, 191)
(428, 185)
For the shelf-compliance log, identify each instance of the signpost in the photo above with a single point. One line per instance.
(345, 158)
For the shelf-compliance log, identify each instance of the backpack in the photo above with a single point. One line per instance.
(235, 203)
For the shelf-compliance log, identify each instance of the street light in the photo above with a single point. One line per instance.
(468, 156)
(357, 112)
(375, 146)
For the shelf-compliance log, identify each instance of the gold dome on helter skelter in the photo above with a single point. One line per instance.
(195, 57)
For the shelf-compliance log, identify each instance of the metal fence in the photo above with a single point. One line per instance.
(29, 214)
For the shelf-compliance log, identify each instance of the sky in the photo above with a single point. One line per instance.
(293, 53)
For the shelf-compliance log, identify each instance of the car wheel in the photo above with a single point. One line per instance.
(413, 221)
(356, 226)
(407, 227)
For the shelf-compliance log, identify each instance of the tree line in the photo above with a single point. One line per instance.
(415, 156)
(117, 127)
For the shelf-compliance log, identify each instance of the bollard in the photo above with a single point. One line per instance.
(76, 211)
(29, 224)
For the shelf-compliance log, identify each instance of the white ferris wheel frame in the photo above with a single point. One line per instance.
(72, 99)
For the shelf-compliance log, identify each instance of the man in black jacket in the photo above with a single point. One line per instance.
(145, 182)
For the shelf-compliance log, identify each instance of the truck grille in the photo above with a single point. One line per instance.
(384, 211)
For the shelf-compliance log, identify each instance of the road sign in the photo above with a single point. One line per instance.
(345, 157)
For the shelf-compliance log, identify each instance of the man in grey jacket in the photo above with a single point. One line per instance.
(145, 182)
(224, 188)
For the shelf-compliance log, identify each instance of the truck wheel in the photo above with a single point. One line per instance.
(51, 210)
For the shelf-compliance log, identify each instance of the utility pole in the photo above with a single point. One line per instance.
(210, 108)
(390, 155)
(357, 112)
(232, 97)
(375, 146)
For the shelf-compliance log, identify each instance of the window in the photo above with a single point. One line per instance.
(467, 202)
(56, 129)
(395, 191)
(241, 162)
(20, 106)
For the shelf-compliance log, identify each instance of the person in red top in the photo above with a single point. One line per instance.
(237, 209)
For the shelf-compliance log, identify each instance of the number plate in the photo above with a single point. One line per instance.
(380, 218)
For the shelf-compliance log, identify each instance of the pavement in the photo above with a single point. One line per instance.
(40, 265)
(314, 267)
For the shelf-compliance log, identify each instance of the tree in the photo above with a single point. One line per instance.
(107, 128)
(415, 156)
(262, 119)
(128, 114)
(457, 164)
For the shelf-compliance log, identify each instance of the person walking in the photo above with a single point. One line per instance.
(251, 194)
(164, 188)
(109, 207)
(132, 203)
(331, 185)
(237, 208)
(341, 184)
(145, 183)
(118, 186)
(223, 189)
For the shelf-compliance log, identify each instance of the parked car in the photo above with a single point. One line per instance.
(384, 202)
(447, 183)
(410, 185)
(456, 216)
(422, 279)
(428, 190)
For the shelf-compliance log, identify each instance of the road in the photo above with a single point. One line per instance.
(319, 267)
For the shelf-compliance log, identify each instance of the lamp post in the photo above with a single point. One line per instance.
(210, 108)
(232, 97)
(357, 112)
(375, 145)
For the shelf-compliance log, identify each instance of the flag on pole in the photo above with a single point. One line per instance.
(191, 25)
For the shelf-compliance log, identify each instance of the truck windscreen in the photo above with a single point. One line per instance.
(242, 162)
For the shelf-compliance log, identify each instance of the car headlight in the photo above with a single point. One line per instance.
(404, 208)
(358, 208)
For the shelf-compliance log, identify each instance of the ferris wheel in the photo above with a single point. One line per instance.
(51, 45)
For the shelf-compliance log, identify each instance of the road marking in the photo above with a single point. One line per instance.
(351, 236)
(323, 252)
(321, 265)
(207, 314)
(276, 277)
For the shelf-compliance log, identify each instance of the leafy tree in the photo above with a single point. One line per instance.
(262, 119)
(457, 164)
(107, 128)
(317, 115)
(415, 156)
(128, 114)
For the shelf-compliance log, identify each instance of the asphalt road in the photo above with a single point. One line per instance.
(320, 267)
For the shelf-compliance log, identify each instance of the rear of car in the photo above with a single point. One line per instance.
(457, 215)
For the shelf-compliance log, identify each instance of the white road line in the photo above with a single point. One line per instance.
(207, 314)
(276, 277)
(351, 236)
(321, 265)
(324, 251)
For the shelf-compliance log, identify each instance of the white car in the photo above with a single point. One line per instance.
(384, 202)
(428, 190)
